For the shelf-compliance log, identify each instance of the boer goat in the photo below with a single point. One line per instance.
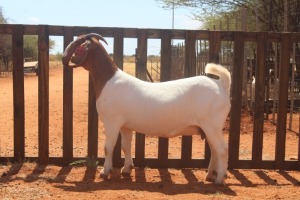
(125, 104)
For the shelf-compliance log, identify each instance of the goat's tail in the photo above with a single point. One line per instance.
(220, 71)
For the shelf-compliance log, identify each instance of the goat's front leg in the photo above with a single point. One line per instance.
(126, 147)
(111, 133)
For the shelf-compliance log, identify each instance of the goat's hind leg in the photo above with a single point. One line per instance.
(111, 134)
(126, 147)
(219, 159)
(211, 174)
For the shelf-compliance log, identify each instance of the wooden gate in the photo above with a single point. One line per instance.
(214, 39)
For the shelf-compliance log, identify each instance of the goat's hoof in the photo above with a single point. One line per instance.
(220, 183)
(104, 175)
(209, 179)
(123, 173)
(211, 176)
(126, 171)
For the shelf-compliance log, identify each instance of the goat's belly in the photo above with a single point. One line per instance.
(166, 130)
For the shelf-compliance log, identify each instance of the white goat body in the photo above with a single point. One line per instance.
(168, 109)
(164, 109)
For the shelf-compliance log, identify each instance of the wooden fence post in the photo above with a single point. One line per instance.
(236, 100)
(259, 100)
(118, 59)
(189, 70)
(214, 51)
(43, 96)
(141, 73)
(282, 100)
(67, 104)
(92, 122)
(165, 75)
(214, 46)
(18, 92)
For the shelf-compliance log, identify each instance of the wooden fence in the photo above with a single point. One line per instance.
(118, 34)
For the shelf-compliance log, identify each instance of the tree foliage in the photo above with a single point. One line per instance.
(30, 45)
(5, 44)
(269, 14)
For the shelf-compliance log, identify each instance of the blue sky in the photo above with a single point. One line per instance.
(109, 13)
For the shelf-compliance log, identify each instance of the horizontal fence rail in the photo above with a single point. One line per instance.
(214, 39)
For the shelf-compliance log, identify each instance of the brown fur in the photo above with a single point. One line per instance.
(99, 64)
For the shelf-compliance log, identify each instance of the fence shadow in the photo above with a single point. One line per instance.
(164, 181)
(139, 182)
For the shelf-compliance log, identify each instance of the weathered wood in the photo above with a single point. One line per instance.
(18, 92)
(299, 149)
(118, 47)
(43, 31)
(214, 46)
(67, 105)
(141, 73)
(118, 59)
(214, 49)
(190, 54)
(141, 57)
(189, 70)
(43, 96)
(282, 100)
(258, 120)
(92, 122)
(165, 75)
(236, 100)
(166, 52)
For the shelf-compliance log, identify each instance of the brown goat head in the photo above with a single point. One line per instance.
(77, 51)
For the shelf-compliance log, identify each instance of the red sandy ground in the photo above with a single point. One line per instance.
(32, 181)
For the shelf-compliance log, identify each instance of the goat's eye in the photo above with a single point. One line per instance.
(80, 50)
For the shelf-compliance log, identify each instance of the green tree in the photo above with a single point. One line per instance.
(263, 15)
(269, 13)
(5, 44)
(30, 45)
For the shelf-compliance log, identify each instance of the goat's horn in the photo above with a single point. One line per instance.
(73, 46)
(71, 49)
(95, 35)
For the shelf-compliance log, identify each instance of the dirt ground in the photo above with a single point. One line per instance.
(32, 181)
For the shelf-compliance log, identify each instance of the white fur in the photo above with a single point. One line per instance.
(166, 109)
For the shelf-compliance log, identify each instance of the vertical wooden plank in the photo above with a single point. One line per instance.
(190, 54)
(118, 59)
(236, 100)
(282, 100)
(118, 47)
(67, 104)
(166, 51)
(92, 122)
(214, 46)
(141, 57)
(189, 70)
(43, 88)
(18, 92)
(214, 49)
(165, 75)
(299, 147)
(259, 100)
(141, 73)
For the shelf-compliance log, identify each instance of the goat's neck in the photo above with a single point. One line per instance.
(102, 69)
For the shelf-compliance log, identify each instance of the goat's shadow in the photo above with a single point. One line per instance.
(138, 182)
(162, 182)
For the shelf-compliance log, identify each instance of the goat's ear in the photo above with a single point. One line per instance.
(81, 53)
